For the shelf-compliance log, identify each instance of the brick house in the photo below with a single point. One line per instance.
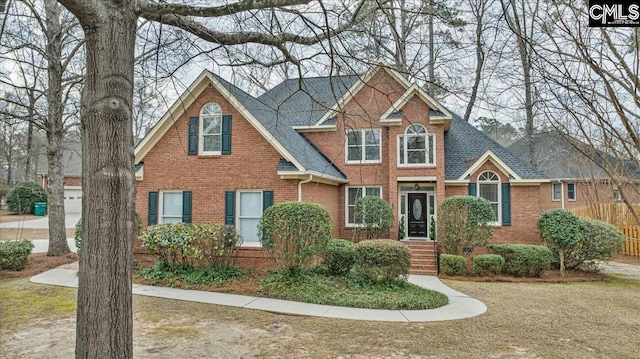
(72, 171)
(221, 155)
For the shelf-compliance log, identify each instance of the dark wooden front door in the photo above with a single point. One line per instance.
(418, 211)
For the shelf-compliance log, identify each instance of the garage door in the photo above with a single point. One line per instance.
(73, 200)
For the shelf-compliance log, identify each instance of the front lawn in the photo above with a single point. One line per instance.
(312, 286)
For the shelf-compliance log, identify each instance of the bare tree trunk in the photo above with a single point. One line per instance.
(480, 56)
(55, 133)
(29, 150)
(104, 291)
(432, 55)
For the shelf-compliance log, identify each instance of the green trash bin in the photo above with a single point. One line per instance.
(40, 208)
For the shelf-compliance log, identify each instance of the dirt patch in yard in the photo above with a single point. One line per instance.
(550, 276)
(6, 216)
(38, 263)
(28, 233)
(628, 260)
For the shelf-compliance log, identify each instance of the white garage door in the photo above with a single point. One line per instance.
(73, 200)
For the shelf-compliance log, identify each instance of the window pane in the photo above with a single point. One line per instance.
(211, 143)
(372, 137)
(372, 153)
(354, 138)
(403, 204)
(249, 229)
(401, 151)
(211, 109)
(571, 188)
(373, 191)
(556, 191)
(168, 220)
(211, 125)
(416, 143)
(431, 149)
(172, 204)
(489, 191)
(355, 154)
(416, 157)
(494, 206)
(351, 214)
(251, 204)
(354, 194)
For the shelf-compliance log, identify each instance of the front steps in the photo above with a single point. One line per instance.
(423, 257)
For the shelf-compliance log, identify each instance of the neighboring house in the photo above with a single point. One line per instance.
(72, 169)
(577, 180)
(222, 155)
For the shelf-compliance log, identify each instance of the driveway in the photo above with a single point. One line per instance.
(69, 222)
(622, 270)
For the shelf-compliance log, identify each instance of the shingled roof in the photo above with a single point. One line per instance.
(556, 156)
(465, 144)
(71, 159)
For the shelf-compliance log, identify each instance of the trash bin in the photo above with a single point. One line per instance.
(40, 208)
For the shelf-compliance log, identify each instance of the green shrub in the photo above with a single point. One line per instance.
(375, 215)
(14, 255)
(451, 264)
(185, 276)
(22, 197)
(77, 233)
(185, 244)
(524, 260)
(483, 263)
(463, 224)
(294, 232)
(382, 260)
(339, 256)
(562, 232)
(603, 242)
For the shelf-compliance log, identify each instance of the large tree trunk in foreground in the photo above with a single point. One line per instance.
(104, 319)
(55, 132)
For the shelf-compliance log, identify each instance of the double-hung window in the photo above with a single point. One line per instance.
(416, 147)
(489, 189)
(243, 208)
(556, 191)
(571, 191)
(211, 129)
(364, 146)
(353, 194)
(172, 206)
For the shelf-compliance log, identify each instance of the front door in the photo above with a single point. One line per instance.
(417, 215)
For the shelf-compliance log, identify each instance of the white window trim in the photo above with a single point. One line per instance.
(161, 206)
(201, 135)
(363, 188)
(575, 192)
(237, 215)
(553, 194)
(498, 183)
(364, 152)
(404, 142)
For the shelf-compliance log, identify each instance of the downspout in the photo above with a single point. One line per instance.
(561, 192)
(300, 187)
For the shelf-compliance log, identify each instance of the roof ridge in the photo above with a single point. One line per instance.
(322, 154)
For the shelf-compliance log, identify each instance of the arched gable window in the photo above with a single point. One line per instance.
(211, 129)
(416, 146)
(489, 189)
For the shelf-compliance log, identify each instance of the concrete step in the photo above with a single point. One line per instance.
(422, 272)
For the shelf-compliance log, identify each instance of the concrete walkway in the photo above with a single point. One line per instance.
(42, 245)
(70, 221)
(460, 306)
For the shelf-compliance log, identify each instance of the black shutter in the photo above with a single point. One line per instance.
(152, 211)
(506, 204)
(472, 189)
(230, 207)
(226, 134)
(193, 135)
(267, 199)
(186, 206)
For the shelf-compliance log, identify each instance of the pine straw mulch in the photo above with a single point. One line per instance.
(38, 263)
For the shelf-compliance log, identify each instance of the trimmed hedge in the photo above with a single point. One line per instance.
(463, 224)
(451, 264)
(339, 256)
(562, 232)
(524, 260)
(487, 263)
(183, 244)
(14, 255)
(22, 197)
(382, 260)
(294, 232)
(604, 242)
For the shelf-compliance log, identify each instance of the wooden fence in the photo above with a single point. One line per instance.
(619, 215)
(632, 245)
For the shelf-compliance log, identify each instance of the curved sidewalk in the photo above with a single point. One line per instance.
(460, 305)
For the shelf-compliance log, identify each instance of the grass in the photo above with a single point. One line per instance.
(347, 291)
(524, 320)
(22, 301)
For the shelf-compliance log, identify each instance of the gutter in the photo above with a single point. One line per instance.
(300, 187)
